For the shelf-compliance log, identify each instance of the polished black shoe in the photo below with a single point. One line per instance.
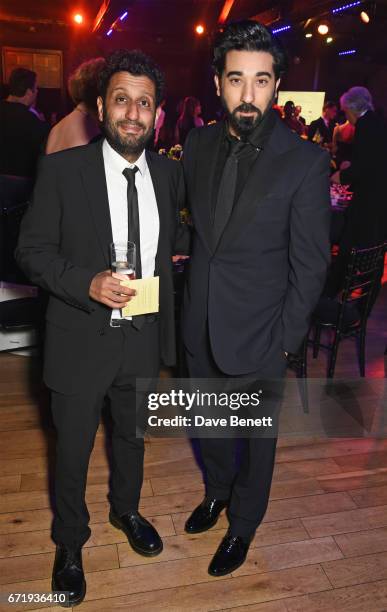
(205, 515)
(68, 575)
(141, 534)
(230, 555)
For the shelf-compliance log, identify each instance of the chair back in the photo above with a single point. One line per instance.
(364, 270)
(10, 220)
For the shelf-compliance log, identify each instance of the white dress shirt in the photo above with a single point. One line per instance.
(117, 186)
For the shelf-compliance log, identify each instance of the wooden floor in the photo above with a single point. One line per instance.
(321, 547)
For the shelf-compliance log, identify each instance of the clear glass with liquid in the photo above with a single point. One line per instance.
(123, 258)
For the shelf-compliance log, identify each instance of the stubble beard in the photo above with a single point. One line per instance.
(130, 145)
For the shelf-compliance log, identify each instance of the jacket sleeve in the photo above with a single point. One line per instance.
(38, 251)
(183, 231)
(312, 130)
(309, 252)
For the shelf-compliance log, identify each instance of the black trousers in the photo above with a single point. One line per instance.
(246, 483)
(127, 354)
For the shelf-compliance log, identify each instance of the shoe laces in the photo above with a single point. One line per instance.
(229, 542)
(73, 560)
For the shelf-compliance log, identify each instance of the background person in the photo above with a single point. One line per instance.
(81, 125)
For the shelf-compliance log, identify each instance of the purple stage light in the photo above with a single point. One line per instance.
(282, 29)
(344, 7)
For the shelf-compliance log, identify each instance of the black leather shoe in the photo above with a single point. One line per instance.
(68, 575)
(205, 515)
(142, 536)
(230, 555)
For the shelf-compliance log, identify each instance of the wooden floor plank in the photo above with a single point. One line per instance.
(185, 545)
(292, 554)
(219, 594)
(345, 522)
(371, 496)
(39, 566)
(356, 570)
(370, 596)
(10, 484)
(363, 542)
(32, 542)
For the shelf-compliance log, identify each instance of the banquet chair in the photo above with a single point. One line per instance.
(362, 281)
(22, 322)
(10, 219)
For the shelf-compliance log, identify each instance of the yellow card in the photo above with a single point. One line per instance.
(147, 299)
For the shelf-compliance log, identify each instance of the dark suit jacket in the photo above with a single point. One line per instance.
(326, 133)
(258, 286)
(64, 242)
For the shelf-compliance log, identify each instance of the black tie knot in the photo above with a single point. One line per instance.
(236, 147)
(129, 174)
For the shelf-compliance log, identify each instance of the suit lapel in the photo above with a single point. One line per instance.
(204, 181)
(261, 179)
(161, 189)
(94, 180)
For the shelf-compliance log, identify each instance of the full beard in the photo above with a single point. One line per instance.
(129, 145)
(244, 126)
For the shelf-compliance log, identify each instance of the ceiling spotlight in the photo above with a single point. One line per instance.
(78, 18)
(364, 17)
(323, 28)
(199, 29)
(329, 40)
(308, 35)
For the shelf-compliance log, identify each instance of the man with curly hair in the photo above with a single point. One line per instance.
(86, 198)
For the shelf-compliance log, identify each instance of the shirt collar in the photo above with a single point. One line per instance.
(119, 163)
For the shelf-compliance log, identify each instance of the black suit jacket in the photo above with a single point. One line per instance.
(64, 242)
(319, 125)
(259, 284)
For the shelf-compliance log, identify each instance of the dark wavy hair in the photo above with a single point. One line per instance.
(135, 62)
(248, 35)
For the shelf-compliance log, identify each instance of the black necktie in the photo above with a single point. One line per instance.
(226, 193)
(134, 229)
(133, 217)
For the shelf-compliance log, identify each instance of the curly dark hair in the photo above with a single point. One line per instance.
(248, 35)
(135, 62)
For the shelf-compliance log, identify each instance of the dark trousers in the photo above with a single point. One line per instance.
(246, 483)
(128, 353)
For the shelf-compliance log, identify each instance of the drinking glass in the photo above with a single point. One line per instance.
(123, 258)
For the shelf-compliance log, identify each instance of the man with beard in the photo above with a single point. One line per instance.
(259, 198)
(86, 198)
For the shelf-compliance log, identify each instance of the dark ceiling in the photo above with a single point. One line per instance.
(166, 27)
(165, 30)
